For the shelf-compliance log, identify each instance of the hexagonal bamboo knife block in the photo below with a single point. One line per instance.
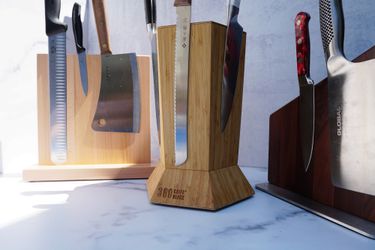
(210, 179)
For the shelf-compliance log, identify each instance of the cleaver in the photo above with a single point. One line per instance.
(118, 108)
(351, 107)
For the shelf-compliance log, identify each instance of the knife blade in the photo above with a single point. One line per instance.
(351, 102)
(150, 11)
(81, 51)
(231, 61)
(181, 86)
(306, 87)
(56, 32)
(119, 105)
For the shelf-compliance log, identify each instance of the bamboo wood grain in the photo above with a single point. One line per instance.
(210, 178)
(101, 26)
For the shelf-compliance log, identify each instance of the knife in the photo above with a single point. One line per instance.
(150, 11)
(233, 45)
(181, 86)
(306, 88)
(56, 32)
(81, 51)
(119, 107)
(351, 102)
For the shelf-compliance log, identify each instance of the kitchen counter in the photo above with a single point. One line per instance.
(117, 215)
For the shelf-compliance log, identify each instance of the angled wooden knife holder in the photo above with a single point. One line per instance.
(210, 178)
(313, 190)
(91, 154)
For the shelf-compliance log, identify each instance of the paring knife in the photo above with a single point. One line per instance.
(119, 104)
(181, 86)
(231, 61)
(351, 102)
(150, 13)
(81, 51)
(56, 32)
(306, 88)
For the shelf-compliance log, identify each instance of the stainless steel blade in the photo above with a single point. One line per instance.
(307, 119)
(118, 108)
(83, 71)
(58, 105)
(181, 83)
(231, 62)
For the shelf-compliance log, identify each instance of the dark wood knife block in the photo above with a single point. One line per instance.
(211, 178)
(285, 158)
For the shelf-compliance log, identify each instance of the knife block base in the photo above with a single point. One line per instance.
(210, 178)
(286, 169)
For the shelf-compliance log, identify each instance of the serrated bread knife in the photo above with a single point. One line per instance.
(351, 107)
(306, 88)
(81, 51)
(181, 85)
(150, 14)
(233, 45)
(56, 32)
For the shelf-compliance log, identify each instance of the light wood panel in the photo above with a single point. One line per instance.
(210, 178)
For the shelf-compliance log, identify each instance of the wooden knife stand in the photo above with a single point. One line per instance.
(210, 179)
(313, 190)
(91, 154)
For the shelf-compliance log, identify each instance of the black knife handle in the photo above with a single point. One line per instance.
(52, 13)
(150, 11)
(301, 26)
(77, 28)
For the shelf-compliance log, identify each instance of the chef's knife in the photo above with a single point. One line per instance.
(231, 61)
(181, 85)
(306, 88)
(150, 13)
(351, 102)
(56, 32)
(81, 51)
(118, 108)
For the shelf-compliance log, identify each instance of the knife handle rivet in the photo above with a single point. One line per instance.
(299, 22)
(300, 40)
(102, 122)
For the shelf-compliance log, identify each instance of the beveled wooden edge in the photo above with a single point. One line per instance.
(87, 172)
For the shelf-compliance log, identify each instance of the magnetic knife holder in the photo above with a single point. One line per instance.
(210, 179)
(313, 190)
(92, 155)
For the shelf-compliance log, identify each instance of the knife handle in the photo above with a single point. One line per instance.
(150, 11)
(302, 43)
(179, 3)
(101, 26)
(77, 28)
(235, 3)
(52, 13)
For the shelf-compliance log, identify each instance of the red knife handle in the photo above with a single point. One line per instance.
(178, 3)
(303, 43)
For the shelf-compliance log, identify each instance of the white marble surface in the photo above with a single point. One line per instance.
(117, 215)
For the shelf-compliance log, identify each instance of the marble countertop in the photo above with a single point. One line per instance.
(117, 215)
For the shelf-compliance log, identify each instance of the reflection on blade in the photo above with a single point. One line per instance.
(83, 71)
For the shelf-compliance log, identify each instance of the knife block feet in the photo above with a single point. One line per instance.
(210, 178)
(286, 169)
(91, 154)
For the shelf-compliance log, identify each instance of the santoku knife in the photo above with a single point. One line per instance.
(306, 87)
(183, 10)
(56, 32)
(231, 61)
(81, 51)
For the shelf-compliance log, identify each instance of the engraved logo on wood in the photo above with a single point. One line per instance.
(171, 193)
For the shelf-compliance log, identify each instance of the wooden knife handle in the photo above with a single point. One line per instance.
(178, 3)
(101, 26)
(303, 43)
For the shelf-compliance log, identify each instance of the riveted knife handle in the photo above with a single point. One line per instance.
(52, 13)
(302, 43)
(179, 3)
(77, 28)
(150, 11)
(332, 27)
(101, 26)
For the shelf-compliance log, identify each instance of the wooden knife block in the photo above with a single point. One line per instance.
(285, 158)
(210, 178)
(106, 155)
